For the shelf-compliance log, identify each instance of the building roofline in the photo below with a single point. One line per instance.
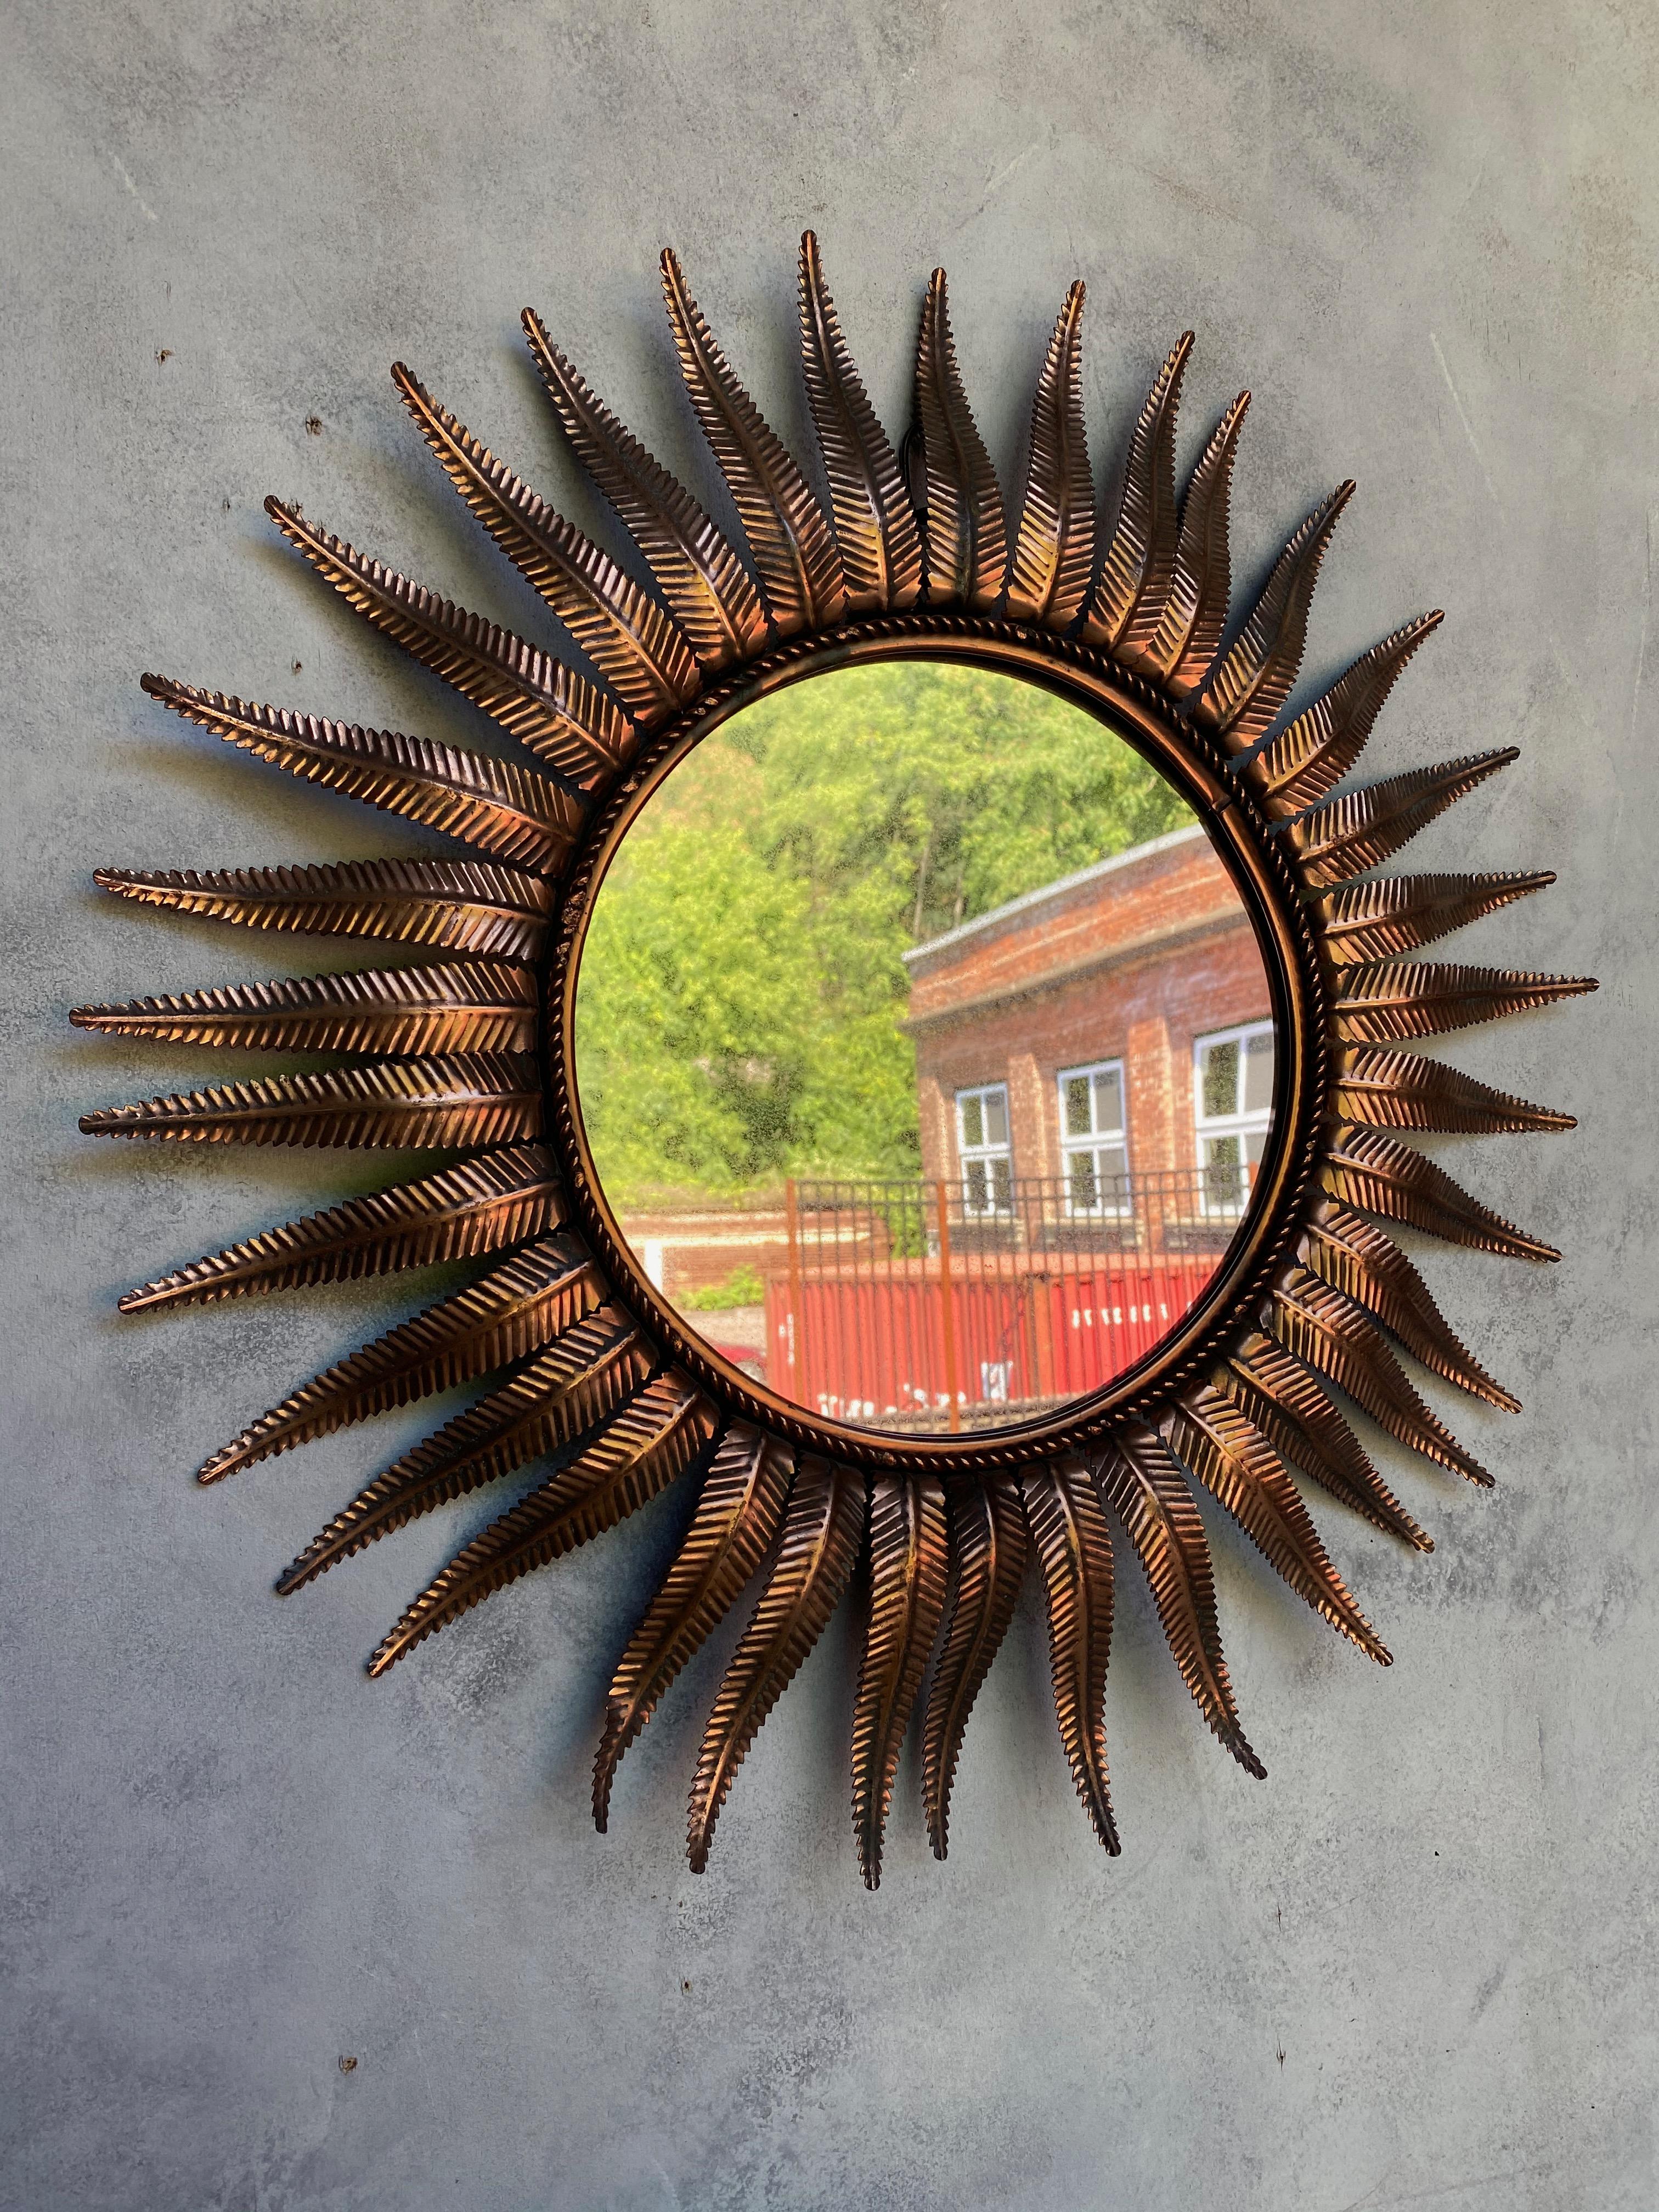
(1028, 900)
(1156, 942)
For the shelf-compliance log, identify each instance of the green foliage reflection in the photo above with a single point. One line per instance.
(741, 987)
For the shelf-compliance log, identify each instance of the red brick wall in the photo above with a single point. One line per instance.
(1164, 953)
(706, 1245)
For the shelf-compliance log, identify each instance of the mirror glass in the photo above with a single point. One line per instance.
(924, 1047)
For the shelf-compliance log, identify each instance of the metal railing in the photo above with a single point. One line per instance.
(945, 1305)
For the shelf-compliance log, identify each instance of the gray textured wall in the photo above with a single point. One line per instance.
(1416, 1966)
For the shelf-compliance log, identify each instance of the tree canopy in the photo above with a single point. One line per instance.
(741, 985)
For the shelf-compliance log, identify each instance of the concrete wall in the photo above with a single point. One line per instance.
(1413, 1968)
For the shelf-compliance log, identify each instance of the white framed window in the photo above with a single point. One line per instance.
(1093, 1142)
(985, 1150)
(1233, 1099)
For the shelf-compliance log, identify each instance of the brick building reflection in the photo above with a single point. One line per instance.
(1088, 1020)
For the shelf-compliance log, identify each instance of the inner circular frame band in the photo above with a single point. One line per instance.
(1241, 836)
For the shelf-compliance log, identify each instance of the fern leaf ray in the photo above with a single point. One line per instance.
(1388, 916)
(1358, 1259)
(1369, 1169)
(1053, 557)
(1403, 1090)
(509, 811)
(1183, 649)
(1389, 999)
(738, 1514)
(492, 1098)
(579, 1380)
(1238, 1465)
(485, 1205)
(480, 1006)
(1313, 753)
(795, 551)
(1241, 700)
(654, 1439)
(1074, 1546)
(633, 644)
(874, 522)
(908, 1552)
(966, 538)
(1145, 1487)
(520, 1305)
(472, 908)
(990, 1547)
(1136, 572)
(1283, 1401)
(710, 593)
(1336, 1335)
(822, 1526)
(1363, 829)
(534, 697)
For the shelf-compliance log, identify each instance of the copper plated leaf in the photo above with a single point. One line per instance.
(1403, 1090)
(793, 546)
(502, 809)
(966, 539)
(908, 1548)
(1359, 1258)
(635, 646)
(559, 714)
(1326, 1328)
(479, 1006)
(466, 907)
(1183, 650)
(1137, 572)
(1241, 700)
(738, 1514)
(512, 1312)
(651, 1443)
(494, 1098)
(875, 523)
(710, 593)
(1360, 831)
(1074, 1546)
(1236, 1464)
(581, 1379)
(1053, 557)
(822, 1527)
(1144, 1484)
(989, 1549)
(1313, 753)
(1390, 999)
(1392, 914)
(485, 1205)
(1384, 1176)
(1295, 1413)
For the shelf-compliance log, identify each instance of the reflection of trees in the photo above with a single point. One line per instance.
(742, 979)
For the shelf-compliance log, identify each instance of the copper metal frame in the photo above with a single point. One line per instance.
(1297, 984)
(464, 1049)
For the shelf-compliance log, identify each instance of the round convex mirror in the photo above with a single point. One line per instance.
(923, 1048)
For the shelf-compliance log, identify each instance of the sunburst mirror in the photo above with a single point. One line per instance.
(916, 1045)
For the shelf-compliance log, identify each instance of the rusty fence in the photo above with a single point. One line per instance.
(937, 1306)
